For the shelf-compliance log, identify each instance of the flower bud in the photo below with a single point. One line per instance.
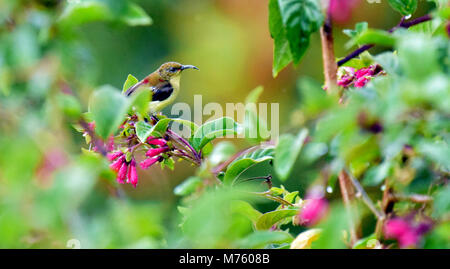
(148, 162)
(156, 141)
(156, 151)
(112, 156)
(116, 165)
(122, 174)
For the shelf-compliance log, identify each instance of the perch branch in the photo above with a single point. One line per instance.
(402, 24)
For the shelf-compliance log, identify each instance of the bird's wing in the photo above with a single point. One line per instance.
(162, 91)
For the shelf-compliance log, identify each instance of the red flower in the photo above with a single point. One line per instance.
(156, 141)
(116, 165)
(132, 174)
(122, 174)
(405, 231)
(313, 211)
(156, 151)
(112, 156)
(148, 162)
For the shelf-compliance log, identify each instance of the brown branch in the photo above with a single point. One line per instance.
(402, 24)
(329, 64)
(348, 194)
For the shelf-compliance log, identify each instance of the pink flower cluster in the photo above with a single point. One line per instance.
(126, 170)
(405, 231)
(314, 209)
(349, 76)
(153, 153)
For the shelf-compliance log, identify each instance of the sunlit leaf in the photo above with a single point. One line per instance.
(267, 220)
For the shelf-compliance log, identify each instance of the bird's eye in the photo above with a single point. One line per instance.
(172, 69)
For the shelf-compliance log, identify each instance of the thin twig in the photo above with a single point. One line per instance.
(364, 197)
(273, 198)
(402, 24)
(97, 141)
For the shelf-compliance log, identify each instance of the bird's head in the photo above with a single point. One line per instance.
(171, 70)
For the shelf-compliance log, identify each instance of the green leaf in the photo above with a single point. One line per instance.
(438, 152)
(144, 130)
(281, 52)
(442, 202)
(107, 107)
(374, 36)
(404, 7)
(192, 125)
(366, 242)
(135, 15)
(188, 186)
(246, 161)
(261, 239)
(300, 18)
(69, 105)
(77, 13)
(417, 55)
(389, 62)
(376, 174)
(267, 220)
(140, 102)
(253, 124)
(246, 209)
(287, 151)
(214, 129)
(221, 152)
(359, 28)
(131, 80)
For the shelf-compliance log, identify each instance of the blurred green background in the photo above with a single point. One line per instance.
(50, 192)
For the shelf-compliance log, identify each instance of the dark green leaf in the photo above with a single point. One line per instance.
(404, 7)
(300, 18)
(246, 161)
(281, 52)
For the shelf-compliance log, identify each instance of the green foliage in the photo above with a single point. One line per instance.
(291, 23)
(80, 12)
(212, 130)
(267, 220)
(246, 161)
(404, 7)
(287, 151)
(108, 108)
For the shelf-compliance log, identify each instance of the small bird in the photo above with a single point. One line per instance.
(164, 85)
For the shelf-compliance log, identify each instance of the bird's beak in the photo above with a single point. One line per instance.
(189, 67)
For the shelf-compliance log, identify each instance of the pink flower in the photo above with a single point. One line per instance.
(122, 174)
(341, 10)
(361, 82)
(116, 165)
(132, 174)
(405, 231)
(110, 143)
(148, 162)
(313, 211)
(112, 156)
(156, 151)
(156, 141)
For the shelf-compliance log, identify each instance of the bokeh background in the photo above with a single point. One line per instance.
(50, 192)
